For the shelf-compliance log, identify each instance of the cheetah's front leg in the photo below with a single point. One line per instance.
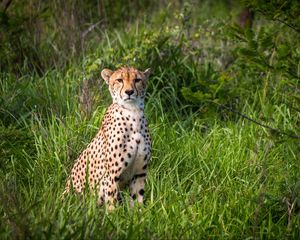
(137, 188)
(109, 192)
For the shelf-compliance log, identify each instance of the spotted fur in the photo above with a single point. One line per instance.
(119, 154)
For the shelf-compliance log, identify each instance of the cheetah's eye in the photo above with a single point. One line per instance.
(120, 80)
(137, 80)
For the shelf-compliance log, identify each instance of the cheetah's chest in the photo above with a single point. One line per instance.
(131, 133)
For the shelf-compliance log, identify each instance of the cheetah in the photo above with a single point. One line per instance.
(119, 154)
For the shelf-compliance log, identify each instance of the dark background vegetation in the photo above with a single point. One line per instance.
(215, 64)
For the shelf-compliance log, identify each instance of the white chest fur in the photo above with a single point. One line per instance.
(136, 145)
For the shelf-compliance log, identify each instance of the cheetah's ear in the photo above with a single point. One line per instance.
(105, 74)
(147, 73)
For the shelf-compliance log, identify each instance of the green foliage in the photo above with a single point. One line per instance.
(265, 56)
(282, 11)
(271, 52)
(210, 178)
(37, 35)
(19, 46)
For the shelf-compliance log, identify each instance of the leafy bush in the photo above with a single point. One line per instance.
(265, 58)
(272, 52)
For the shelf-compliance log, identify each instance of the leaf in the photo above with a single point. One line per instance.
(266, 42)
(283, 51)
(247, 52)
(253, 44)
(276, 15)
(261, 34)
(194, 97)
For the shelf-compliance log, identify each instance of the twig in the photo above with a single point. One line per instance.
(281, 21)
(91, 28)
(85, 33)
(258, 123)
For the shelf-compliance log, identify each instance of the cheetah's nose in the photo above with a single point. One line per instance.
(129, 92)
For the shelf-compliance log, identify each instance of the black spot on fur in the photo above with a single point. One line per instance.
(140, 175)
(141, 192)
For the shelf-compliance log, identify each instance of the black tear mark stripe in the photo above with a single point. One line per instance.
(121, 89)
(137, 92)
(134, 85)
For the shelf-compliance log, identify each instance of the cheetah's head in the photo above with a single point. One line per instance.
(127, 85)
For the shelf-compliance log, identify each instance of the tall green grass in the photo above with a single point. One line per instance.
(207, 179)
(213, 174)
